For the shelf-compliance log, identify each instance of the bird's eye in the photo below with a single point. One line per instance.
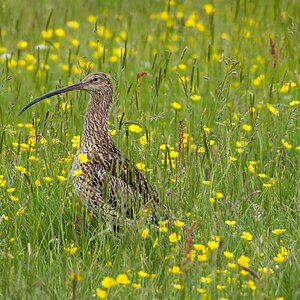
(95, 79)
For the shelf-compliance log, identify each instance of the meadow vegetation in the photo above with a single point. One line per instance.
(206, 105)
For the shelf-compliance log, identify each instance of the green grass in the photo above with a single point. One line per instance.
(243, 60)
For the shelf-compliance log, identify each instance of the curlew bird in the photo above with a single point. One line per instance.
(109, 183)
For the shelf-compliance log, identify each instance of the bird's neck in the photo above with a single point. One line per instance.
(96, 132)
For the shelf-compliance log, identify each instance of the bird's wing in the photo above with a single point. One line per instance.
(115, 177)
(134, 178)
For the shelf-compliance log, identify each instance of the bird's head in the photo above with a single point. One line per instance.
(94, 83)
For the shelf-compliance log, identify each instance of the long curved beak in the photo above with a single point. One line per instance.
(76, 86)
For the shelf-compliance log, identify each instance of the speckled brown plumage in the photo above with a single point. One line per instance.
(109, 183)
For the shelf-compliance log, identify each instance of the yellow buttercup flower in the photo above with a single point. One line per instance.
(286, 144)
(174, 238)
(21, 211)
(61, 178)
(272, 109)
(244, 261)
(206, 280)
(179, 223)
(113, 132)
(249, 284)
(206, 182)
(113, 58)
(199, 247)
(22, 45)
(143, 274)
(246, 236)
(176, 105)
(278, 231)
(219, 195)
(141, 166)
(294, 102)
(212, 245)
(107, 282)
(286, 87)
(195, 98)
(47, 178)
(14, 198)
(73, 24)
(177, 286)
(247, 127)
(143, 140)
(3, 182)
(191, 20)
(209, 9)
(228, 254)
(175, 270)
(230, 222)
(134, 128)
(76, 141)
(101, 294)
(75, 277)
(47, 34)
(267, 185)
(91, 19)
(202, 258)
(182, 67)
(258, 80)
(123, 279)
(82, 157)
(59, 32)
(21, 169)
(77, 173)
(72, 249)
(262, 175)
(145, 233)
